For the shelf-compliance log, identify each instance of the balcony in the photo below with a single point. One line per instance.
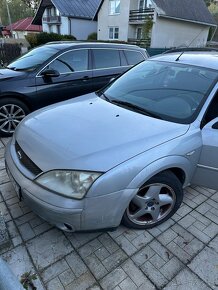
(140, 16)
(52, 19)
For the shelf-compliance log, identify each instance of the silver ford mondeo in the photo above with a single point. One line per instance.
(124, 153)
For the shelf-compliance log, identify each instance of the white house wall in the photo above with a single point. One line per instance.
(81, 28)
(64, 27)
(119, 20)
(173, 33)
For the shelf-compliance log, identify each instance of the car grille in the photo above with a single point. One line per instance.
(26, 161)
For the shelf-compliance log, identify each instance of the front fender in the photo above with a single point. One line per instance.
(162, 164)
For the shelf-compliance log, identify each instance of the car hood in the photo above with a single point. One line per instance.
(8, 74)
(89, 133)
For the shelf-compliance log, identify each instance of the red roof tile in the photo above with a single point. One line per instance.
(25, 25)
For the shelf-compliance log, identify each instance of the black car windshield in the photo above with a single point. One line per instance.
(172, 92)
(33, 59)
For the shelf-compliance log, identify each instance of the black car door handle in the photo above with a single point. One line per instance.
(85, 78)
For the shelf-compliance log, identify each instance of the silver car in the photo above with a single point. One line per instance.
(125, 153)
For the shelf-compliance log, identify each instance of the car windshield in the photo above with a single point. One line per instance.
(33, 59)
(172, 92)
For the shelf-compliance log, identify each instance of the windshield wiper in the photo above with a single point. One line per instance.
(103, 96)
(135, 108)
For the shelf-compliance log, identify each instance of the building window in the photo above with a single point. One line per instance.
(113, 32)
(142, 4)
(114, 7)
(139, 33)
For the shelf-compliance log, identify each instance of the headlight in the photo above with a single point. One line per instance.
(73, 184)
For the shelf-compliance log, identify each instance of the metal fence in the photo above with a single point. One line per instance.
(9, 52)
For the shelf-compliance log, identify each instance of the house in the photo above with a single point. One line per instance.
(71, 17)
(172, 23)
(21, 28)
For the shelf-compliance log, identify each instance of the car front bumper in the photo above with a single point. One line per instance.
(90, 213)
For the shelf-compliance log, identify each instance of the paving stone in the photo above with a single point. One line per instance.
(200, 226)
(80, 239)
(48, 248)
(205, 265)
(67, 277)
(4, 212)
(54, 270)
(157, 263)
(136, 275)
(7, 191)
(113, 279)
(14, 234)
(76, 264)
(132, 241)
(55, 284)
(186, 280)
(3, 176)
(215, 197)
(156, 231)
(20, 263)
(102, 255)
(5, 141)
(183, 245)
(83, 282)
(2, 159)
(4, 237)
(214, 244)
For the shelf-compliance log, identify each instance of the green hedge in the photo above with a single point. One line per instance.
(44, 37)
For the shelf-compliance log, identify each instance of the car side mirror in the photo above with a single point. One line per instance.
(50, 73)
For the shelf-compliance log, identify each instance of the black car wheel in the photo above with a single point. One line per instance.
(12, 111)
(155, 202)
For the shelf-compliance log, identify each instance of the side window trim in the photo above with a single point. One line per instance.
(67, 73)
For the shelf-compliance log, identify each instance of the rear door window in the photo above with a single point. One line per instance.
(106, 58)
(133, 57)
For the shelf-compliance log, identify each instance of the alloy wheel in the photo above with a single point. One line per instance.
(10, 117)
(151, 204)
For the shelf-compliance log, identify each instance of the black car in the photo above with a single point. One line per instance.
(58, 71)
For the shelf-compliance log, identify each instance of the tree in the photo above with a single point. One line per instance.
(208, 2)
(32, 4)
(18, 10)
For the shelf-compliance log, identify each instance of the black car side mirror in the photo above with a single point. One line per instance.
(50, 73)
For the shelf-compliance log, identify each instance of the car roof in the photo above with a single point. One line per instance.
(74, 44)
(207, 59)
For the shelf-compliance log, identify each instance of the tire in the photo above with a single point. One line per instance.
(155, 202)
(12, 111)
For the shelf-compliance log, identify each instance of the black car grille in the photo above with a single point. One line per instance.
(26, 161)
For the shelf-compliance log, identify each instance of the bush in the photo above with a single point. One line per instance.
(44, 37)
(92, 36)
(32, 39)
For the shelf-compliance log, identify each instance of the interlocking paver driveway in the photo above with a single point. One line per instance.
(181, 254)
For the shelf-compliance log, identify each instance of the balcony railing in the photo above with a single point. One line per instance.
(52, 19)
(141, 15)
(145, 42)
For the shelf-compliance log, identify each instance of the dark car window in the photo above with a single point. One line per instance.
(72, 61)
(106, 58)
(33, 59)
(133, 57)
(173, 92)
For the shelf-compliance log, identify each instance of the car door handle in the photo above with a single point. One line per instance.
(85, 78)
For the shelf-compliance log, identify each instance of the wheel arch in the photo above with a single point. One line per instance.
(178, 165)
(17, 96)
